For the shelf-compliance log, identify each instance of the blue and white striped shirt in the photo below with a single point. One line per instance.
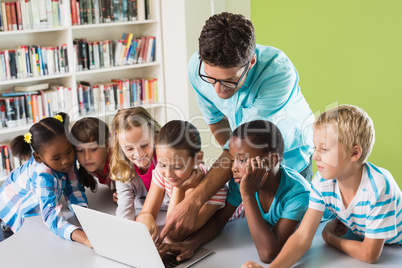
(34, 189)
(376, 210)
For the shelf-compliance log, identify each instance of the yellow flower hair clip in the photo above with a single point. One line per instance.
(28, 137)
(58, 117)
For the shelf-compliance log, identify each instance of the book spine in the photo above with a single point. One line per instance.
(4, 17)
(24, 18)
(42, 14)
(73, 10)
(66, 66)
(96, 11)
(14, 16)
(36, 14)
(29, 14)
(35, 108)
(55, 13)
(49, 13)
(80, 97)
(1, 19)
(7, 160)
(106, 54)
(8, 13)
(96, 55)
(91, 55)
(19, 15)
(101, 55)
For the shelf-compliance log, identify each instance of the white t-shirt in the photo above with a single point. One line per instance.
(376, 210)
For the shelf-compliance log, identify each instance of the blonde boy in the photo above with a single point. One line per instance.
(364, 198)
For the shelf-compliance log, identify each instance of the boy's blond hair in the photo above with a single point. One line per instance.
(353, 127)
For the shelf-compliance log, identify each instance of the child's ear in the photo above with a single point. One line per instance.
(356, 153)
(198, 157)
(37, 157)
(272, 160)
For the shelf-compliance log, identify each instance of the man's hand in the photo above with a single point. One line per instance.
(256, 174)
(183, 250)
(180, 220)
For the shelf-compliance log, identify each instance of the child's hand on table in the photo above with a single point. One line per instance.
(334, 227)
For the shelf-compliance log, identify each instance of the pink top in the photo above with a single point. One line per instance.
(147, 177)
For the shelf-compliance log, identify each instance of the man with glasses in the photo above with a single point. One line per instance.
(237, 81)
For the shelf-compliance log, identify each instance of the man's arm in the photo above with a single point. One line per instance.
(183, 217)
(368, 250)
(221, 131)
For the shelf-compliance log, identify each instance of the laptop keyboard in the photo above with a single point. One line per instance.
(170, 261)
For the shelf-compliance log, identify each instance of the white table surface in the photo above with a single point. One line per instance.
(34, 245)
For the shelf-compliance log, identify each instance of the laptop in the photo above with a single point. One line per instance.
(125, 241)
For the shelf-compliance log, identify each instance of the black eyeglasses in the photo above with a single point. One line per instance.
(228, 84)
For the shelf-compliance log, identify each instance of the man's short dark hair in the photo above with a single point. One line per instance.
(227, 40)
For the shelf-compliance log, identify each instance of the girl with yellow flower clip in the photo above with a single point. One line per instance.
(28, 137)
(36, 186)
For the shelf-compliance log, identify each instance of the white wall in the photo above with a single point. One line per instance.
(182, 21)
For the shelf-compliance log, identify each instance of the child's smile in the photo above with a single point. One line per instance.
(175, 165)
(137, 145)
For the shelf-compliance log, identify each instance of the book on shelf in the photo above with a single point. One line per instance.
(33, 61)
(118, 94)
(31, 14)
(32, 87)
(8, 161)
(90, 55)
(105, 11)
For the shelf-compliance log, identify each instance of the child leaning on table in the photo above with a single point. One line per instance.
(179, 170)
(91, 140)
(274, 196)
(364, 198)
(36, 187)
(133, 158)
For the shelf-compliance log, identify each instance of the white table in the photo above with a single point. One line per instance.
(35, 246)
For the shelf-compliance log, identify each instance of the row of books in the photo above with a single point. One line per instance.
(20, 108)
(108, 53)
(27, 107)
(103, 11)
(30, 14)
(117, 94)
(8, 162)
(33, 61)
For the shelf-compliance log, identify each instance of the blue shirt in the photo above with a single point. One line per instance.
(375, 211)
(34, 189)
(290, 201)
(270, 92)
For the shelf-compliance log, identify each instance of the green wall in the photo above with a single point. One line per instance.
(346, 52)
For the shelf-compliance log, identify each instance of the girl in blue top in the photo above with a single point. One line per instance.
(275, 197)
(36, 187)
